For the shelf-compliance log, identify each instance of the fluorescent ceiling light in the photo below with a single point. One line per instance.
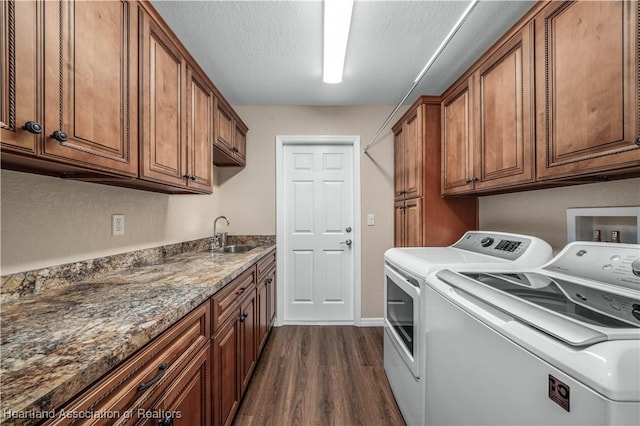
(337, 20)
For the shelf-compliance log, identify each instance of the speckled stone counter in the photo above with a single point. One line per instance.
(56, 343)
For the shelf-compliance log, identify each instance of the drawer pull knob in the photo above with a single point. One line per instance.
(161, 370)
(32, 127)
(60, 136)
(240, 291)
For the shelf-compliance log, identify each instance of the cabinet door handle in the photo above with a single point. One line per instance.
(186, 176)
(193, 177)
(638, 141)
(240, 291)
(32, 127)
(243, 317)
(475, 179)
(60, 136)
(161, 370)
(468, 181)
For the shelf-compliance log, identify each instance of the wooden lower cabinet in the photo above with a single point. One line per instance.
(234, 359)
(187, 401)
(266, 307)
(243, 314)
(169, 373)
(226, 371)
(248, 346)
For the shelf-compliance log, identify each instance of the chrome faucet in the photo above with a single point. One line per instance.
(216, 237)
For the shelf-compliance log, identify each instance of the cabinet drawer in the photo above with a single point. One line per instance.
(148, 372)
(225, 302)
(266, 263)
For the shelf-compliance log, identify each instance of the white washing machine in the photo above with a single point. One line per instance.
(555, 345)
(404, 317)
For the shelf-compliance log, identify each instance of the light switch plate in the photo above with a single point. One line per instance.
(371, 219)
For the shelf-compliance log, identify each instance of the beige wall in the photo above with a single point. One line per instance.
(49, 221)
(249, 198)
(543, 212)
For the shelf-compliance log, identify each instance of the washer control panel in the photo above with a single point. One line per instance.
(505, 246)
(610, 263)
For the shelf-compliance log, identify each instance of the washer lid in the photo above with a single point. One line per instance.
(576, 314)
(423, 260)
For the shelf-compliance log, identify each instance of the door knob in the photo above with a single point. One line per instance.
(348, 229)
(348, 243)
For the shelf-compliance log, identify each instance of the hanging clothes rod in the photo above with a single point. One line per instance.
(426, 68)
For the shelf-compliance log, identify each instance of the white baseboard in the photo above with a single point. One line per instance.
(364, 322)
(372, 322)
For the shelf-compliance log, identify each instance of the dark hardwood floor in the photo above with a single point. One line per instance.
(320, 375)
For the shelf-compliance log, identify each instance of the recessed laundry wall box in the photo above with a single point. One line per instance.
(586, 224)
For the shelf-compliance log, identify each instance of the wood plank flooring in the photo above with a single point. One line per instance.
(320, 375)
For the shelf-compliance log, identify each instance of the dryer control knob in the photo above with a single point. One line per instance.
(486, 241)
(635, 267)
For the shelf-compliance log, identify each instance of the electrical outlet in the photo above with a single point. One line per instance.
(117, 224)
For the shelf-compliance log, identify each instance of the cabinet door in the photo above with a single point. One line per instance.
(586, 87)
(398, 163)
(240, 145)
(90, 82)
(413, 227)
(226, 390)
(503, 107)
(186, 402)
(200, 102)
(262, 302)
(247, 341)
(272, 292)
(398, 224)
(413, 155)
(162, 112)
(224, 127)
(456, 140)
(20, 64)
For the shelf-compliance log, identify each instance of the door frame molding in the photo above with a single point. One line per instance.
(354, 141)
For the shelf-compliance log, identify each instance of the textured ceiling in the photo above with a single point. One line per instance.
(270, 52)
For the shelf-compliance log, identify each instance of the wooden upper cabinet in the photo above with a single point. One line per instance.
(587, 88)
(231, 137)
(71, 70)
(224, 127)
(488, 120)
(240, 143)
(457, 144)
(503, 140)
(163, 119)
(19, 48)
(90, 84)
(200, 102)
(408, 156)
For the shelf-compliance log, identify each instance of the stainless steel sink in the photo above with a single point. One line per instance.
(236, 248)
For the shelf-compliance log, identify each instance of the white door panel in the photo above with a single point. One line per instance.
(318, 208)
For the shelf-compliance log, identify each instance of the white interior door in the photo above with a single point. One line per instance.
(318, 235)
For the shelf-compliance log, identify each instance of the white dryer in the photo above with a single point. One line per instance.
(406, 270)
(559, 344)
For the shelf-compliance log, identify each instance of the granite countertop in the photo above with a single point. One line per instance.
(56, 343)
